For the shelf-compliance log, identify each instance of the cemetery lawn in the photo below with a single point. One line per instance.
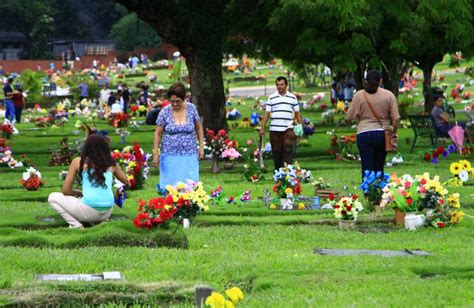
(268, 254)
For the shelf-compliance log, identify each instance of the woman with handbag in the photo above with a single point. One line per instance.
(376, 112)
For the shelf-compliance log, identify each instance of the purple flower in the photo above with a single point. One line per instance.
(445, 153)
(452, 148)
(434, 160)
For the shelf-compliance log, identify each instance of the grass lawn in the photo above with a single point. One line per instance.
(269, 254)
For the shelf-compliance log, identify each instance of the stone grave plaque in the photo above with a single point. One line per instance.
(80, 277)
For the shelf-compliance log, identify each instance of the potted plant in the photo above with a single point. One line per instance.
(287, 186)
(182, 203)
(32, 179)
(346, 210)
(402, 194)
(372, 187)
(217, 142)
(230, 154)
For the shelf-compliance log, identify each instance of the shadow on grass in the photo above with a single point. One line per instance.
(445, 272)
(80, 294)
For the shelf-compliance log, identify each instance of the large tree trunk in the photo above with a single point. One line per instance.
(207, 88)
(359, 76)
(391, 77)
(427, 93)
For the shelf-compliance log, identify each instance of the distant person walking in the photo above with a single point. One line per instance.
(282, 107)
(370, 107)
(127, 98)
(8, 93)
(18, 103)
(84, 91)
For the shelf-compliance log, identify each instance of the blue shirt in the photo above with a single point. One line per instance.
(98, 197)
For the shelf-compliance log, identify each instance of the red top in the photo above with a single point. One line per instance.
(18, 100)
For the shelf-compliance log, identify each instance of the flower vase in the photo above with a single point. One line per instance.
(399, 217)
(228, 165)
(377, 208)
(215, 166)
(347, 224)
(286, 204)
(429, 212)
(413, 221)
(186, 223)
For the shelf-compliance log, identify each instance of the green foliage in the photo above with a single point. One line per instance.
(31, 84)
(130, 32)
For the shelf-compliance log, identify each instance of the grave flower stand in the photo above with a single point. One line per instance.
(215, 166)
(347, 224)
(228, 165)
(399, 217)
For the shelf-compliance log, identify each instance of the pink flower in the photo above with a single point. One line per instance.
(249, 142)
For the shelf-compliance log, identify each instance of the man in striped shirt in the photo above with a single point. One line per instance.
(282, 107)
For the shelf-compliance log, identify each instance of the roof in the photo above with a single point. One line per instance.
(12, 37)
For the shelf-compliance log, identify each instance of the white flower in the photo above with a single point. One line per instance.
(463, 175)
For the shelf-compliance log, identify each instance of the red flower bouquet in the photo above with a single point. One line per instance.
(157, 212)
(118, 120)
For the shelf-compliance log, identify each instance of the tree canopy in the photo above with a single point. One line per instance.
(130, 32)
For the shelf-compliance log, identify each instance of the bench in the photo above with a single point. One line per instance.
(424, 126)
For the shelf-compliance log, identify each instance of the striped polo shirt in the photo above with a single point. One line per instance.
(281, 110)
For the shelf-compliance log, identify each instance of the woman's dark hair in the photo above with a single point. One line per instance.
(96, 154)
(436, 97)
(177, 89)
(372, 81)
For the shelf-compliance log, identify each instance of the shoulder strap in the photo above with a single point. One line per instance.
(372, 108)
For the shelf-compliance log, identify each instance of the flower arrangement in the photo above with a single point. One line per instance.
(373, 185)
(423, 192)
(135, 161)
(346, 208)
(6, 157)
(7, 130)
(342, 147)
(189, 199)
(402, 193)
(157, 212)
(286, 182)
(303, 175)
(446, 213)
(460, 171)
(230, 153)
(440, 151)
(253, 171)
(313, 100)
(118, 120)
(32, 179)
(217, 300)
(218, 142)
(63, 157)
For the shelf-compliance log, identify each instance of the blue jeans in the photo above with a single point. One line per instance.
(372, 152)
(10, 110)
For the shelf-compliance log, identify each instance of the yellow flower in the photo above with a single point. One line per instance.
(301, 206)
(288, 191)
(455, 168)
(205, 208)
(235, 295)
(180, 185)
(340, 106)
(454, 200)
(215, 300)
(456, 217)
(273, 207)
(466, 165)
